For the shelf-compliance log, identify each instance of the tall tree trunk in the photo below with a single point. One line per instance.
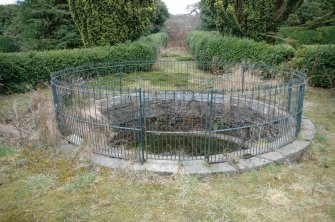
(239, 11)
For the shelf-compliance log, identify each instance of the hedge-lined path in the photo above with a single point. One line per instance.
(179, 27)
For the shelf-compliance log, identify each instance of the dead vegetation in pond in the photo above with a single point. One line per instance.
(184, 134)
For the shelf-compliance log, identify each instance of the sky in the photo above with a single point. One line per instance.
(4, 2)
(175, 6)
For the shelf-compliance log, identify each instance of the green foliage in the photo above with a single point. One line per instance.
(40, 25)
(322, 35)
(7, 12)
(46, 25)
(23, 71)
(108, 22)
(211, 46)
(157, 40)
(160, 15)
(319, 61)
(314, 13)
(308, 11)
(255, 19)
(207, 17)
(8, 44)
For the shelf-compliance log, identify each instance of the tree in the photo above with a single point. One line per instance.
(193, 8)
(308, 11)
(207, 16)
(7, 13)
(38, 25)
(255, 19)
(8, 44)
(108, 22)
(314, 13)
(159, 17)
(46, 24)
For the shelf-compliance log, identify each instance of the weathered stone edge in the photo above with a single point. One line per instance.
(287, 153)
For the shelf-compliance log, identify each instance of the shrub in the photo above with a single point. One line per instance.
(23, 71)
(322, 35)
(253, 19)
(108, 22)
(159, 17)
(319, 62)
(157, 40)
(7, 44)
(209, 46)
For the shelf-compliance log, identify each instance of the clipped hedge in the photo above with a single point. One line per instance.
(209, 46)
(109, 22)
(322, 35)
(319, 62)
(23, 71)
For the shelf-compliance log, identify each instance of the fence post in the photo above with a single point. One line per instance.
(299, 108)
(289, 97)
(186, 67)
(142, 135)
(243, 77)
(187, 71)
(120, 79)
(55, 96)
(55, 100)
(208, 139)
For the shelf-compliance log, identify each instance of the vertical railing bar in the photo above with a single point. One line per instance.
(142, 159)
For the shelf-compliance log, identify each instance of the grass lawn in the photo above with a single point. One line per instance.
(169, 73)
(153, 79)
(39, 183)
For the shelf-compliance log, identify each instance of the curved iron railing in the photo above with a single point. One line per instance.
(175, 111)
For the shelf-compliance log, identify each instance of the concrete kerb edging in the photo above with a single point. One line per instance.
(287, 153)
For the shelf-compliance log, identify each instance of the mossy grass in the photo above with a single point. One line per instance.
(185, 58)
(154, 78)
(170, 55)
(7, 151)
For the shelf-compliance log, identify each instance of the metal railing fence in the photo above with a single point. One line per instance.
(175, 111)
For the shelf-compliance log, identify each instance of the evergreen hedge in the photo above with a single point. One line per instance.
(319, 62)
(23, 71)
(211, 46)
(108, 22)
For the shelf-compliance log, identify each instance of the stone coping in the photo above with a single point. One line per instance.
(290, 152)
